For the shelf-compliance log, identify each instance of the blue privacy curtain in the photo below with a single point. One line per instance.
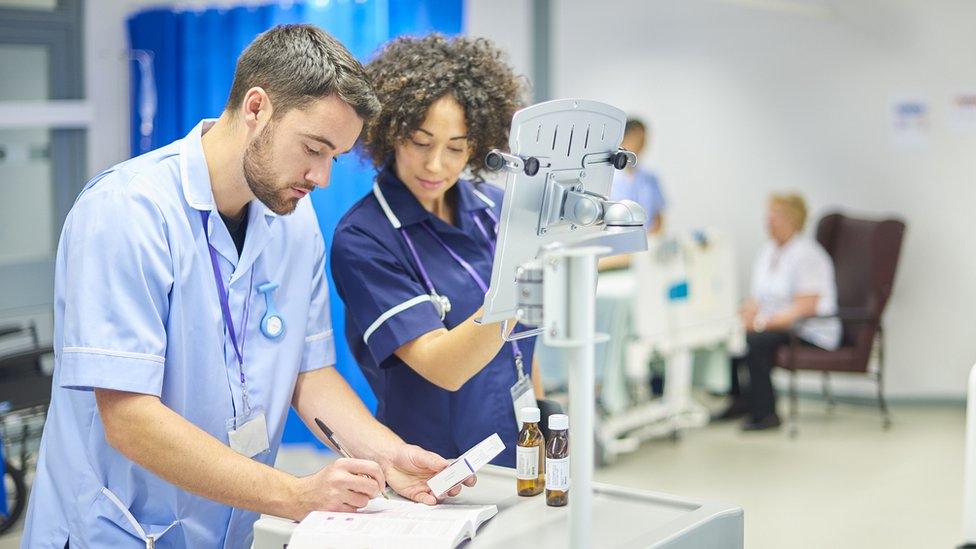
(182, 68)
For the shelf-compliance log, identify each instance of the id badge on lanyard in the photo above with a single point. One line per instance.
(247, 432)
(523, 395)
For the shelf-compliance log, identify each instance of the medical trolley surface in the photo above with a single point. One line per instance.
(622, 517)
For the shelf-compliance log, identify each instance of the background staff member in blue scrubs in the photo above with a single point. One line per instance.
(178, 341)
(423, 235)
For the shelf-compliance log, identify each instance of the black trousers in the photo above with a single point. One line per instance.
(759, 360)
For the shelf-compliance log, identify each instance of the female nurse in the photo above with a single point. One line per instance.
(412, 259)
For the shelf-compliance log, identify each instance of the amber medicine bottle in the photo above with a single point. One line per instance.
(530, 455)
(557, 461)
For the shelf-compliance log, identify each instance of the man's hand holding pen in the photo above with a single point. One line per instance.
(348, 484)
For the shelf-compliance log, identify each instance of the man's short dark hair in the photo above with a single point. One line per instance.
(298, 64)
(634, 124)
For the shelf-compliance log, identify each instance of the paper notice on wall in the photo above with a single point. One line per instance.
(911, 123)
(962, 112)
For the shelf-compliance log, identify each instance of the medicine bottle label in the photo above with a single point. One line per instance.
(557, 474)
(527, 462)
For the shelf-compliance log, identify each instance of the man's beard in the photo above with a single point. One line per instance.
(260, 176)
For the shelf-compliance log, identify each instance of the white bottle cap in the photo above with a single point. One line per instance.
(558, 422)
(530, 415)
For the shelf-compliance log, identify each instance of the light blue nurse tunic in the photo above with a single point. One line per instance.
(137, 309)
(641, 186)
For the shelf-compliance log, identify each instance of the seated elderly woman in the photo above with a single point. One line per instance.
(792, 280)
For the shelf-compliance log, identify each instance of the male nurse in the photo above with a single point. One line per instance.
(637, 184)
(191, 311)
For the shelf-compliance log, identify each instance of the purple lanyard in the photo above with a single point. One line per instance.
(464, 265)
(225, 309)
(481, 227)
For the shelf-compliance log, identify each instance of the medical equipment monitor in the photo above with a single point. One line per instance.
(559, 171)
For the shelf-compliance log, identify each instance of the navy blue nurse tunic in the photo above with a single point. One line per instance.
(387, 305)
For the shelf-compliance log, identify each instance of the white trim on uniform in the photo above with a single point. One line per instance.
(120, 354)
(391, 313)
(386, 207)
(125, 512)
(484, 198)
(319, 336)
(132, 520)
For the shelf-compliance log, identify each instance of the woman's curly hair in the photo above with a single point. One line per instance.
(410, 74)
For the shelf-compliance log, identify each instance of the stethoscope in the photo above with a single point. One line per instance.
(441, 302)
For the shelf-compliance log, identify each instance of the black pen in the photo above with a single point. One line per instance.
(335, 446)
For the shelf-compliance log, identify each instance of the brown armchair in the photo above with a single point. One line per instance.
(865, 255)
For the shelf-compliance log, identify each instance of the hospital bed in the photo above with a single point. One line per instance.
(678, 298)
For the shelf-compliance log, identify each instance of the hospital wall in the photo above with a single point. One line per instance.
(748, 97)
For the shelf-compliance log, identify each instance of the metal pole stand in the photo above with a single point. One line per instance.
(569, 302)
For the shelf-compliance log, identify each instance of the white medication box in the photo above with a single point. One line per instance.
(466, 465)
